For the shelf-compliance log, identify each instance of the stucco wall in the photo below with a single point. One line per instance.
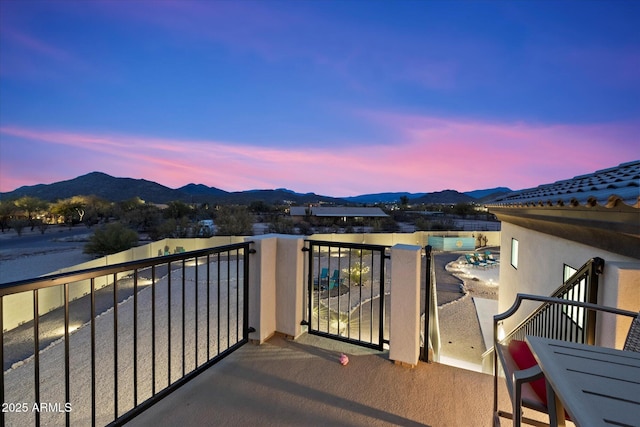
(420, 238)
(540, 269)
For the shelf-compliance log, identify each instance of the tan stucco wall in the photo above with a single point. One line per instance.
(540, 268)
(620, 288)
(419, 238)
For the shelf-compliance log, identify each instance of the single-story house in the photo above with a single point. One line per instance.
(342, 213)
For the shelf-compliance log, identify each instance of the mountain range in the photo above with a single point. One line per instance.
(118, 189)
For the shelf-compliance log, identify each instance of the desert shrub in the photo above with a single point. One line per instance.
(357, 273)
(18, 225)
(112, 238)
(304, 228)
(387, 225)
(42, 226)
(281, 225)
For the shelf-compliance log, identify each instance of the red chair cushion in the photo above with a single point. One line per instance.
(521, 354)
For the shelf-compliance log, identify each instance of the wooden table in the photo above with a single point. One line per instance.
(597, 386)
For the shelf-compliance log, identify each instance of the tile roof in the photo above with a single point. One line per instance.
(606, 187)
(601, 209)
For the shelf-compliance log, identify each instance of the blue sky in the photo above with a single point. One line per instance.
(335, 97)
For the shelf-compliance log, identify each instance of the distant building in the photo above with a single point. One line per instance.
(343, 214)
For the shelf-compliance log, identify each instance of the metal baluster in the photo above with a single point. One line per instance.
(219, 284)
(381, 305)
(340, 296)
(328, 290)
(115, 345)
(135, 337)
(371, 300)
(208, 305)
(237, 295)
(183, 316)
(169, 324)
(36, 354)
(153, 330)
(360, 297)
(93, 352)
(197, 310)
(67, 394)
(349, 291)
(319, 255)
(228, 299)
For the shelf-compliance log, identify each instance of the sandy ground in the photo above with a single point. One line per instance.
(462, 340)
(21, 258)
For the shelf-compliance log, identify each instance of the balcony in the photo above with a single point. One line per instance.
(275, 380)
(301, 382)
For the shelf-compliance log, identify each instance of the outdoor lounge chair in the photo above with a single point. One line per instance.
(490, 258)
(471, 259)
(483, 259)
(524, 378)
(323, 279)
(335, 280)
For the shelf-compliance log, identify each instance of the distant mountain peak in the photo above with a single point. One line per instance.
(117, 189)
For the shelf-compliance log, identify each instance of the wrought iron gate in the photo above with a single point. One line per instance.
(347, 285)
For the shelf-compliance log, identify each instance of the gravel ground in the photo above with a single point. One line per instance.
(459, 326)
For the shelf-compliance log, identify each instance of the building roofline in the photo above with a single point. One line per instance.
(614, 227)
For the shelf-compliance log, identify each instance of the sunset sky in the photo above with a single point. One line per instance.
(334, 97)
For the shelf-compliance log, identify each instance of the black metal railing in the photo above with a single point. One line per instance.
(568, 323)
(346, 288)
(143, 329)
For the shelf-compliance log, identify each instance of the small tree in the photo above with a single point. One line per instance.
(31, 206)
(18, 225)
(42, 226)
(234, 221)
(71, 209)
(7, 211)
(110, 239)
(178, 210)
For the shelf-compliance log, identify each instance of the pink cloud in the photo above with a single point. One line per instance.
(426, 154)
(468, 155)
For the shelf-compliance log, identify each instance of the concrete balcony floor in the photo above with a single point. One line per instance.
(301, 382)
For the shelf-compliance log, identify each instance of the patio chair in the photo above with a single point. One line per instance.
(323, 278)
(335, 280)
(524, 378)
